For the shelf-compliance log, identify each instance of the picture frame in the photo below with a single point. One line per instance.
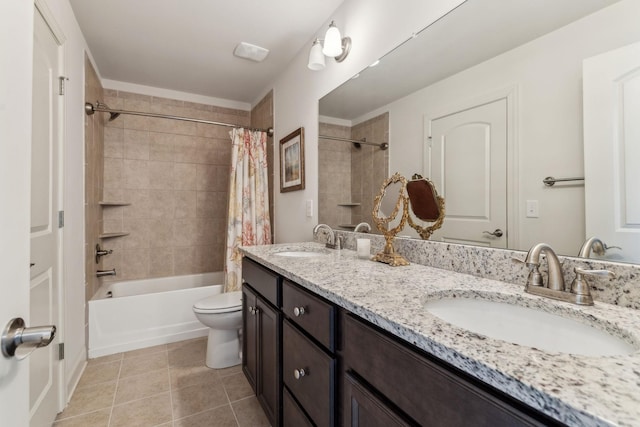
(292, 161)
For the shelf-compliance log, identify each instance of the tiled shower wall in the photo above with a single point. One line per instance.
(350, 174)
(175, 176)
(369, 167)
(94, 166)
(262, 118)
(334, 181)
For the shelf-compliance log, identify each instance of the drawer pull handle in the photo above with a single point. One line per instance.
(253, 310)
(299, 373)
(298, 311)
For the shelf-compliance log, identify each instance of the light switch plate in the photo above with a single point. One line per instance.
(309, 208)
(533, 210)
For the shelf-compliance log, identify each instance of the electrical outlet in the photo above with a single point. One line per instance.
(309, 208)
(533, 210)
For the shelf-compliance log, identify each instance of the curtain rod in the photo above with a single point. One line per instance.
(90, 109)
(382, 145)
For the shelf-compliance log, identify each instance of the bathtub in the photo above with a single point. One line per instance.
(136, 314)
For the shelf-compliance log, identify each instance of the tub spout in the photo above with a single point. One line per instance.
(103, 273)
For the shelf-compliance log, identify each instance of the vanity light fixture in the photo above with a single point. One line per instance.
(333, 45)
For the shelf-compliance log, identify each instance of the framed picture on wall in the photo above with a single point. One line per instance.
(292, 161)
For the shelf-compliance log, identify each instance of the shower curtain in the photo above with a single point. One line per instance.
(248, 219)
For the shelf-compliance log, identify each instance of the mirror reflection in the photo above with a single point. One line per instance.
(425, 205)
(486, 103)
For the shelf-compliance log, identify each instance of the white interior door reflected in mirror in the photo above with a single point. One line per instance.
(467, 162)
(612, 150)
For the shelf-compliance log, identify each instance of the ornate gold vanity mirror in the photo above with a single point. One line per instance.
(426, 205)
(392, 224)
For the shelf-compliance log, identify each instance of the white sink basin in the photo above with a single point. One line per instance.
(300, 254)
(527, 327)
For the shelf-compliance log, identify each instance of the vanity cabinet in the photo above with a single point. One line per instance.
(387, 378)
(309, 359)
(261, 341)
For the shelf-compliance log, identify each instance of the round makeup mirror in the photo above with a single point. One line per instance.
(426, 205)
(390, 213)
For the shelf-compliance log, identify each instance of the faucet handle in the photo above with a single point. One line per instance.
(601, 273)
(580, 286)
(535, 278)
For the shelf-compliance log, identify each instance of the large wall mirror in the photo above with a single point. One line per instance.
(486, 102)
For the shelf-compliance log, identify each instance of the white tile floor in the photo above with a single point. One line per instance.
(167, 385)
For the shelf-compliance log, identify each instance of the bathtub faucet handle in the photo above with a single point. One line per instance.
(101, 252)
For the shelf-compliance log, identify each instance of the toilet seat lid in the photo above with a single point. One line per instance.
(220, 303)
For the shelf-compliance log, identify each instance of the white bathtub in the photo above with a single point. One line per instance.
(144, 313)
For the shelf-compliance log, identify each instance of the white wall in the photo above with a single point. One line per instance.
(548, 75)
(375, 27)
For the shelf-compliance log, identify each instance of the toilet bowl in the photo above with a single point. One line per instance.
(222, 313)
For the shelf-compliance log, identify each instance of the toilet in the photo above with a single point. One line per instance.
(222, 313)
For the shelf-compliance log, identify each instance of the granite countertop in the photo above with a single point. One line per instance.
(576, 390)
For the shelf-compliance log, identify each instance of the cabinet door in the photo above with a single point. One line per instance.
(363, 409)
(269, 369)
(249, 336)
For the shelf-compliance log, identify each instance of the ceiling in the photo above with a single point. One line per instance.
(187, 45)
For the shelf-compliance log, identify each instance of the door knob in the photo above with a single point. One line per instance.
(16, 335)
(497, 232)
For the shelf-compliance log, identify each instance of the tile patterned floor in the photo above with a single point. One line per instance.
(167, 385)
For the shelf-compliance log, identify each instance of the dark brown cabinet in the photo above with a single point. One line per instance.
(420, 389)
(313, 364)
(261, 345)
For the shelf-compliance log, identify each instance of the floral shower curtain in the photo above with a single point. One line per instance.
(248, 219)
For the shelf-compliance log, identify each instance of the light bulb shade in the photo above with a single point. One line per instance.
(316, 57)
(332, 41)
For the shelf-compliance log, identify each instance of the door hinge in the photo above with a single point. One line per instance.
(60, 219)
(61, 351)
(61, 84)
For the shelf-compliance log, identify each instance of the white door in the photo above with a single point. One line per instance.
(612, 150)
(44, 292)
(16, 33)
(468, 165)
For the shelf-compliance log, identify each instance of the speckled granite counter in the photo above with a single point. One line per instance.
(576, 390)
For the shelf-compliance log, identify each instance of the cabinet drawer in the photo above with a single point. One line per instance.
(315, 316)
(428, 392)
(265, 281)
(292, 414)
(315, 387)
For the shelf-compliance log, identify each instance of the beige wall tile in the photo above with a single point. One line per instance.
(161, 175)
(135, 174)
(113, 173)
(161, 147)
(136, 144)
(161, 261)
(185, 176)
(185, 206)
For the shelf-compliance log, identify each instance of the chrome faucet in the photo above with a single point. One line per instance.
(363, 227)
(555, 279)
(332, 242)
(596, 246)
(577, 293)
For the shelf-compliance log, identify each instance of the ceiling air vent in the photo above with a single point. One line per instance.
(250, 51)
